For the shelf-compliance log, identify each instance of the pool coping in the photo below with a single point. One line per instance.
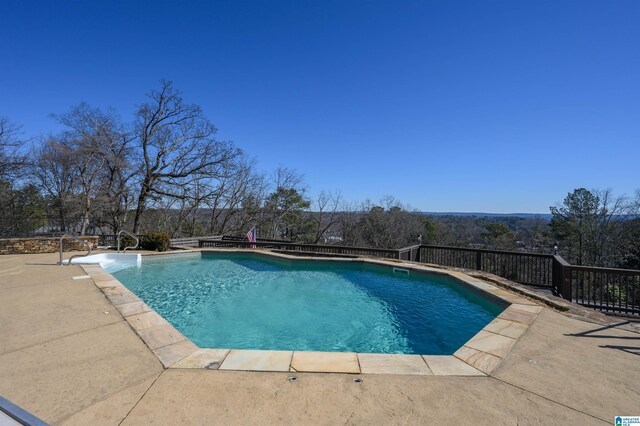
(479, 356)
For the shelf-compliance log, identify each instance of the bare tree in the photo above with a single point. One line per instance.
(115, 185)
(56, 175)
(176, 146)
(608, 224)
(325, 214)
(454, 233)
(191, 198)
(285, 204)
(100, 149)
(91, 136)
(12, 159)
(232, 199)
(389, 224)
(589, 223)
(351, 213)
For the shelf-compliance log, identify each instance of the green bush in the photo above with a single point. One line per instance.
(157, 241)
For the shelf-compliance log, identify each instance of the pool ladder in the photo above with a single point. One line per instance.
(86, 244)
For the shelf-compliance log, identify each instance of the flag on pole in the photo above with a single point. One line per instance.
(252, 236)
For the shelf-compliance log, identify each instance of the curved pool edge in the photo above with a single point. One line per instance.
(479, 356)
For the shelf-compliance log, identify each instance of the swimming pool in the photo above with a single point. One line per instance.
(253, 301)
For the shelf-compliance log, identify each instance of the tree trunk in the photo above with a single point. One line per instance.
(85, 218)
(142, 199)
(63, 227)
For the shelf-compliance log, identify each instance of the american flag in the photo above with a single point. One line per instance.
(252, 236)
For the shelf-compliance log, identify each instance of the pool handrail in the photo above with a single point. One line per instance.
(86, 244)
(128, 247)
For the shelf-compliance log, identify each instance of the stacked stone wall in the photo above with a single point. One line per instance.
(43, 245)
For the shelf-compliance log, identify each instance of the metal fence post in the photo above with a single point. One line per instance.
(565, 288)
(562, 277)
(415, 254)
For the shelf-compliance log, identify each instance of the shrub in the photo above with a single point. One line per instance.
(157, 241)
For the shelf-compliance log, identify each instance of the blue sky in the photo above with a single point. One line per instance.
(496, 106)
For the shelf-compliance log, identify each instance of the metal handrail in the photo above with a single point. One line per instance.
(86, 244)
(132, 236)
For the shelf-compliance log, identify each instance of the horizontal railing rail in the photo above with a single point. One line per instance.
(525, 268)
(607, 289)
(266, 240)
(411, 253)
(307, 248)
(470, 249)
(192, 241)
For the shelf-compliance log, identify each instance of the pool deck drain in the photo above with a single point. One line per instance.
(477, 357)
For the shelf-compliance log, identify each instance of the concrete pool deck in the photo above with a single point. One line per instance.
(69, 357)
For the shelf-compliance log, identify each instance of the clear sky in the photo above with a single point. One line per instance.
(495, 106)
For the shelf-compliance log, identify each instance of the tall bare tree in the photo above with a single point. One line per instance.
(325, 214)
(388, 224)
(176, 145)
(235, 198)
(116, 183)
(12, 157)
(284, 206)
(97, 146)
(55, 173)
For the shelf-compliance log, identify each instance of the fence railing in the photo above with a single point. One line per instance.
(110, 240)
(411, 253)
(607, 289)
(192, 241)
(264, 240)
(38, 226)
(305, 248)
(525, 268)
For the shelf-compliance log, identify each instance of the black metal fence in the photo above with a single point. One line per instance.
(525, 268)
(238, 238)
(607, 289)
(111, 240)
(43, 226)
(304, 248)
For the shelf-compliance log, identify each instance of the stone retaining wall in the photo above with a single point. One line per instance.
(43, 245)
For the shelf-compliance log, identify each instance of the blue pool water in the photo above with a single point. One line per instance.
(248, 301)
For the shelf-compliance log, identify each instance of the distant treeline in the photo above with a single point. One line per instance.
(547, 216)
(164, 170)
